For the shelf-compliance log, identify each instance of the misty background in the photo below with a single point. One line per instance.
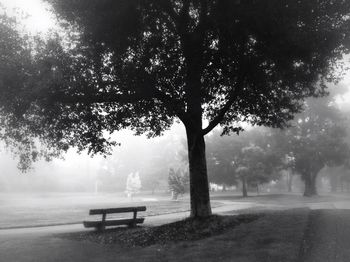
(152, 158)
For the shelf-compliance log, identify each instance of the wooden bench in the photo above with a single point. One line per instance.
(100, 225)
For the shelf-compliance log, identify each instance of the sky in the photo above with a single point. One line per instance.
(39, 18)
(344, 100)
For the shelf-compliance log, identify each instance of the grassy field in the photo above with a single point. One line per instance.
(274, 237)
(274, 229)
(26, 210)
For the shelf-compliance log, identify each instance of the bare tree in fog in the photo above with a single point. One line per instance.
(142, 64)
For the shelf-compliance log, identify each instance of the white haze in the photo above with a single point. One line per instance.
(80, 172)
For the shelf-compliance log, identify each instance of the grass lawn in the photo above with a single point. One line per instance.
(272, 230)
(269, 237)
(289, 200)
(25, 210)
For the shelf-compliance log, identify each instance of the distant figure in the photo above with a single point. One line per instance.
(133, 184)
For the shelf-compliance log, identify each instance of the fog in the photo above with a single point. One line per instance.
(75, 172)
(152, 158)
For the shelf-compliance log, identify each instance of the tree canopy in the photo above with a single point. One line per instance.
(316, 139)
(142, 64)
(255, 60)
(248, 158)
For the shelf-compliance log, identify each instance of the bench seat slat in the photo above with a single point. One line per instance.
(116, 210)
(113, 222)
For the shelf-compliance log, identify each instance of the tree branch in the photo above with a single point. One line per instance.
(183, 17)
(203, 19)
(220, 116)
(153, 93)
(233, 94)
(99, 98)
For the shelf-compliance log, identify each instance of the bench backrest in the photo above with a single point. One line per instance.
(116, 210)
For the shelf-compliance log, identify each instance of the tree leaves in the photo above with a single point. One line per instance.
(141, 64)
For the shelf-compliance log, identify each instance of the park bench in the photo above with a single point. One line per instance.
(100, 225)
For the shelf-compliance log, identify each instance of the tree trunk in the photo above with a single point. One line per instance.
(334, 183)
(244, 187)
(223, 188)
(310, 185)
(199, 186)
(290, 180)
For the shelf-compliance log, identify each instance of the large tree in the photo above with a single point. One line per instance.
(140, 64)
(316, 139)
(319, 141)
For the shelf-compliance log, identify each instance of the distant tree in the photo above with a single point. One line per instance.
(242, 172)
(288, 165)
(316, 138)
(345, 178)
(221, 151)
(141, 64)
(221, 173)
(265, 168)
(248, 158)
(178, 182)
(339, 177)
(255, 166)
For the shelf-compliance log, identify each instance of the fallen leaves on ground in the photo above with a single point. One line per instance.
(184, 230)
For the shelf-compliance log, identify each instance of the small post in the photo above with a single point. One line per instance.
(133, 224)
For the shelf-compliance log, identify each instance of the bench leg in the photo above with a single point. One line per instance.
(102, 227)
(133, 223)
